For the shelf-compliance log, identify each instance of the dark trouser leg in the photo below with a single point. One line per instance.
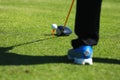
(87, 22)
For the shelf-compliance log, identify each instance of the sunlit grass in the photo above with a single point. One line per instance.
(29, 52)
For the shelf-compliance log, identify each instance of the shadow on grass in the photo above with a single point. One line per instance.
(7, 58)
(106, 60)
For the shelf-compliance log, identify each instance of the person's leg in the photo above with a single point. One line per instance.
(87, 22)
(87, 29)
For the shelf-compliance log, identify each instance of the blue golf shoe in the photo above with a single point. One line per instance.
(81, 55)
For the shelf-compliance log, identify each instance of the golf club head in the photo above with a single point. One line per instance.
(63, 31)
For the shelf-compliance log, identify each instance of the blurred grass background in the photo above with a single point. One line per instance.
(28, 51)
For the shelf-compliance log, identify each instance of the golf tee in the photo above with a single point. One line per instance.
(53, 31)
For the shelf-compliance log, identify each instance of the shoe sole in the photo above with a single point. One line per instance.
(81, 61)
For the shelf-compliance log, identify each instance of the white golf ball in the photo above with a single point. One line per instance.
(54, 26)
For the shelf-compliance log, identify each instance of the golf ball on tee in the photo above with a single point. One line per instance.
(54, 26)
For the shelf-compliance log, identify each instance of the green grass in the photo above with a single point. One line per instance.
(28, 52)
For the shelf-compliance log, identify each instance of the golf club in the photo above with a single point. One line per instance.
(69, 13)
(63, 30)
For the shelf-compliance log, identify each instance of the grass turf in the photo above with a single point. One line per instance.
(29, 52)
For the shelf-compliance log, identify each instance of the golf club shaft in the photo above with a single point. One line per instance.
(69, 12)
